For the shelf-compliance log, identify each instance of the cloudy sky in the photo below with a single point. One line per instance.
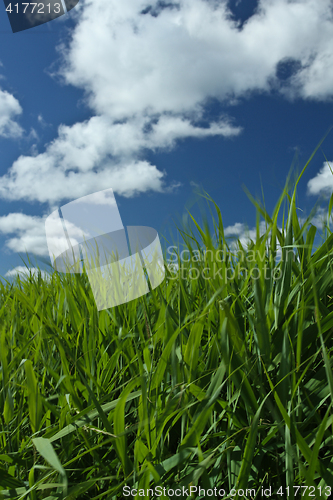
(154, 99)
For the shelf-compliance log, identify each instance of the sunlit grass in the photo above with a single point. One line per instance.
(221, 377)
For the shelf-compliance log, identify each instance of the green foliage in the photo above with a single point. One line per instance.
(221, 377)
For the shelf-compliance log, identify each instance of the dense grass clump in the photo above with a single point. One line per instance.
(219, 378)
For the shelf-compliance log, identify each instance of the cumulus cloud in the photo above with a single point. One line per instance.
(25, 272)
(320, 219)
(29, 233)
(323, 181)
(91, 155)
(240, 232)
(132, 59)
(51, 184)
(9, 109)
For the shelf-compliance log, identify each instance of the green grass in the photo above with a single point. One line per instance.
(210, 381)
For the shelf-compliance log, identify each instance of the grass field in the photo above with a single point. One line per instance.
(219, 378)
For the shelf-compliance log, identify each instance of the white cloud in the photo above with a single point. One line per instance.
(39, 179)
(240, 232)
(243, 234)
(29, 233)
(235, 230)
(323, 181)
(24, 272)
(95, 154)
(9, 109)
(320, 219)
(42, 122)
(130, 63)
(169, 129)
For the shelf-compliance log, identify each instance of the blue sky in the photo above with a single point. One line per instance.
(154, 99)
